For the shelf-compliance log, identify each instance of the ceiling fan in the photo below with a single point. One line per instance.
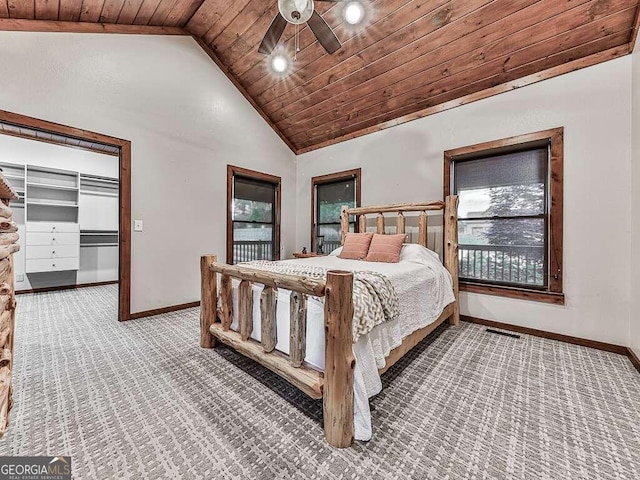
(298, 12)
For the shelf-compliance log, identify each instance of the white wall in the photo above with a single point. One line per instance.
(405, 164)
(634, 326)
(186, 122)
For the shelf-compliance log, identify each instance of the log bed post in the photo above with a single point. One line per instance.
(380, 224)
(339, 359)
(363, 224)
(226, 298)
(268, 322)
(451, 250)
(344, 223)
(297, 328)
(400, 228)
(208, 300)
(8, 246)
(423, 236)
(245, 309)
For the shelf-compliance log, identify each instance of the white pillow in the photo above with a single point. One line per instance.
(412, 252)
(336, 252)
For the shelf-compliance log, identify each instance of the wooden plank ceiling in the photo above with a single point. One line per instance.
(410, 58)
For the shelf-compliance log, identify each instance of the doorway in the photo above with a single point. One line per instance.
(54, 190)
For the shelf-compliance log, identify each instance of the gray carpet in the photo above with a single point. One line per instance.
(141, 400)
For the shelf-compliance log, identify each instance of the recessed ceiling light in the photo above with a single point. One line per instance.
(353, 13)
(279, 63)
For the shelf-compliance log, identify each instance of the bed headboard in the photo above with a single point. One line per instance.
(450, 215)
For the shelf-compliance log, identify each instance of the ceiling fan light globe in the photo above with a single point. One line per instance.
(296, 11)
(353, 13)
(279, 63)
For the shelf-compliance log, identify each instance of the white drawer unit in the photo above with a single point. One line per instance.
(68, 223)
(52, 246)
(35, 252)
(53, 227)
(38, 265)
(38, 238)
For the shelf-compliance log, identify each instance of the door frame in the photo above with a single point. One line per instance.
(124, 248)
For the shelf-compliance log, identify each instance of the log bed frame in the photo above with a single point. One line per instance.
(335, 384)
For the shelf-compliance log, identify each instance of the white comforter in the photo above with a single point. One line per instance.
(424, 288)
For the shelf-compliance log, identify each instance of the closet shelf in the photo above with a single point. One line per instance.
(100, 194)
(89, 178)
(82, 245)
(51, 204)
(15, 177)
(51, 186)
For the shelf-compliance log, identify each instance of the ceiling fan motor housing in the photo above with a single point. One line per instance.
(296, 11)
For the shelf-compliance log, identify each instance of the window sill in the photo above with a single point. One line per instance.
(513, 292)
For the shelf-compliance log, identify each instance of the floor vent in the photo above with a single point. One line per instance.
(506, 334)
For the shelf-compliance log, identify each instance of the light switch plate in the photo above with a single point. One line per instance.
(137, 226)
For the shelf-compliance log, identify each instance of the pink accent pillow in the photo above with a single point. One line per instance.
(356, 246)
(386, 248)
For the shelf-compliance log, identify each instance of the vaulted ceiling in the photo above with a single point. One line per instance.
(408, 59)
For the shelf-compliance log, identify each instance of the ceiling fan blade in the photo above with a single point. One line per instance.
(274, 32)
(323, 33)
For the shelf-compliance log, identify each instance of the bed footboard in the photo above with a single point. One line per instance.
(335, 385)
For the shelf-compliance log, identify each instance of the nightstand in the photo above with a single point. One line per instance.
(308, 255)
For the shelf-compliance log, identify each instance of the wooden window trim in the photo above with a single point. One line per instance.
(253, 175)
(329, 178)
(554, 293)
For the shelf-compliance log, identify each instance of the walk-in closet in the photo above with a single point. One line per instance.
(67, 214)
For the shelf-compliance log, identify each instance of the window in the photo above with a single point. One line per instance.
(510, 215)
(328, 194)
(253, 216)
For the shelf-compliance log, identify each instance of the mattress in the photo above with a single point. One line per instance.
(424, 289)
